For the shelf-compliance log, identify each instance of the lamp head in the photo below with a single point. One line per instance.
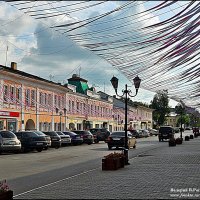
(137, 81)
(114, 82)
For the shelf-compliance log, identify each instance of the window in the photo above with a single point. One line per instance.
(49, 99)
(69, 106)
(5, 93)
(72, 106)
(12, 94)
(27, 97)
(45, 99)
(40, 98)
(77, 106)
(55, 100)
(33, 97)
(59, 101)
(18, 95)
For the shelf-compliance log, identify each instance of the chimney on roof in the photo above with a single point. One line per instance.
(14, 65)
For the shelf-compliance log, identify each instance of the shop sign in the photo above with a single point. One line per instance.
(9, 114)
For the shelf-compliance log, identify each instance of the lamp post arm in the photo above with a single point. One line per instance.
(129, 93)
(120, 95)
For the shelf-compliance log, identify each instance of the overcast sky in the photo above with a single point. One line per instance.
(46, 53)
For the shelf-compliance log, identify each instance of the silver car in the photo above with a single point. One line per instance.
(9, 142)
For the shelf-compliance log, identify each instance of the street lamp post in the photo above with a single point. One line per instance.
(181, 123)
(127, 93)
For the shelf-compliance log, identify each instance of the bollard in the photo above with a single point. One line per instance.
(126, 156)
(187, 138)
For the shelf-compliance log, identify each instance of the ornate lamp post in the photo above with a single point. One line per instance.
(181, 122)
(127, 93)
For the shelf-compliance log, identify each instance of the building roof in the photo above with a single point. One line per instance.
(15, 71)
(75, 77)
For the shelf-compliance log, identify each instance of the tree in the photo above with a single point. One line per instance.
(183, 119)
(160, 105)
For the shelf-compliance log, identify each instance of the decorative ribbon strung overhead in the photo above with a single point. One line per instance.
(159, 41)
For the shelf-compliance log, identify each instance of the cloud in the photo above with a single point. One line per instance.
(45, 52)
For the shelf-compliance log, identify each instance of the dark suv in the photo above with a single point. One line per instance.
(55, 139)
(31, 141)
(86, 135)
(100, 134)
(165, 132)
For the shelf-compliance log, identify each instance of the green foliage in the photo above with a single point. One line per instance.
(179, 109)
(185, 120)
(160, 105)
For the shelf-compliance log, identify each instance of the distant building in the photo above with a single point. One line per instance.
(171, 119)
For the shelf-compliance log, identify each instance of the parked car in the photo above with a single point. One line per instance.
(176, 129)
(143, 133)
(117, 139)
(87, 136)
(65, 139)
(31, 141)
(165, 132)
(153, 132)
(9, 142)
(100, 134)
(75, 138)
(55, 138)
(135, 133)
(48, 138)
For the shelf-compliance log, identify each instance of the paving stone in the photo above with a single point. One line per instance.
(162, 173)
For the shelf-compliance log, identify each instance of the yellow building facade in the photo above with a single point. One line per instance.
(29, 102)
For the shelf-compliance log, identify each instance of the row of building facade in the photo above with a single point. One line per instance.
(28, 102)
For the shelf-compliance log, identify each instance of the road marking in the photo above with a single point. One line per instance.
(56, 182)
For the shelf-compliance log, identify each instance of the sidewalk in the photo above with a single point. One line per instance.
(163, 173)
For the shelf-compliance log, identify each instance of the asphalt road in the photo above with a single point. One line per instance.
(27, 171)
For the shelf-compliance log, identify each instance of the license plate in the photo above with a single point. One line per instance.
(12, 143)
(116, 138)
(164, 135)
(78, 137)
(89, 136)
(39, 143)
(54, 139)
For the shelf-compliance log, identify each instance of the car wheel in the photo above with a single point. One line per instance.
(24, 150)
(39, 149)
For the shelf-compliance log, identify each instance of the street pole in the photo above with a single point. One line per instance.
(126, 92)
(181, 124)
(125, 126)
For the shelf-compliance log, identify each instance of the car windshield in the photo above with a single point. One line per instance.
(93, 130)
(39, 133)
(7, 134)
(165, 129)
(51, 133)
(59, 133)
(30, 134)
(118, 134)
(70, 133)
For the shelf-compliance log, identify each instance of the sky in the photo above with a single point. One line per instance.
(43, 52)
